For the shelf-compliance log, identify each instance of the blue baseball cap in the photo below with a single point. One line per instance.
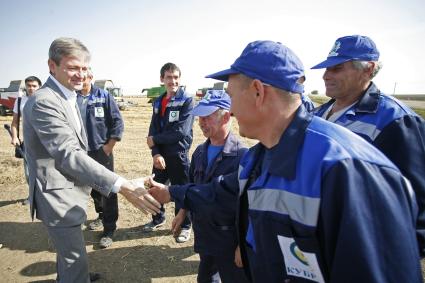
(211, 102)
(270, 62)
(349, 48)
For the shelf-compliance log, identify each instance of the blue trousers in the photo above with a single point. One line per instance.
(219, 269)
(177, 173)
(106, 207)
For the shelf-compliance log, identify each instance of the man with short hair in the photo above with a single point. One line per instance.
(104, 127)
(32, 83)
(316, 202)
(387, 123)
(60, 171)
(170, 137)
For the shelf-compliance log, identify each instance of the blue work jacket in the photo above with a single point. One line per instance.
(398, 132)
(172, 133)
(323, 205)
(103, 119)
(214, 223)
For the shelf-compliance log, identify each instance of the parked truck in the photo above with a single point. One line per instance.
(217, 86)
(116, 92)
(9, 95)
(153, 92)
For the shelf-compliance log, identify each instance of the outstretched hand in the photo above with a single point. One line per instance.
(140, 198)
(159, 191)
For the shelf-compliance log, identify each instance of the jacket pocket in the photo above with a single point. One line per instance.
(56, 181)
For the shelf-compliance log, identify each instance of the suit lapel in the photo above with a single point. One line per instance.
(68, 112)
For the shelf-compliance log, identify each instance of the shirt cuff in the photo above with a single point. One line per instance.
(117, 185)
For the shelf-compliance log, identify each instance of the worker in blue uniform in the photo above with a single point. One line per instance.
(317, 203)
(104, 127)
(214, 223)
(170, 137)
(357, 104)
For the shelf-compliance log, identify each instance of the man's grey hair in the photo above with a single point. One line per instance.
(361, 65)
(65, 46)
(221, 113)
(90, 72)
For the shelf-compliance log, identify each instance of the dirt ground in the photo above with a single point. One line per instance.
(135, 256)
(27, 256)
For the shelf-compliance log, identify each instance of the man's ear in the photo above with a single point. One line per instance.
(226, 117)
(259, 89)
(370, 68)
(161, 79)
(52, 66)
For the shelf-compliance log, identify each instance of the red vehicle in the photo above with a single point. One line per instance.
(9, 95)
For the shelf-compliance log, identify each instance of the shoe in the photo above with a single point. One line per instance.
(184, 236)
(95, 225)
(94, 276)
(106, 240)
(152, 226)
(26, 202)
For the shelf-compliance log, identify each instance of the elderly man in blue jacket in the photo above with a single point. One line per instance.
(214, 223)
(104, 127)
(387, 123)
(317, 203)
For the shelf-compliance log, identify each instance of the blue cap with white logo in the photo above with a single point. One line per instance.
(211, 102)
(270, 62)
(349, 48)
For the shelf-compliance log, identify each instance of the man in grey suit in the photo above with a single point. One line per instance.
(60, 171)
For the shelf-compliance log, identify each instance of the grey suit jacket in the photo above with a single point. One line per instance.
(60, 171)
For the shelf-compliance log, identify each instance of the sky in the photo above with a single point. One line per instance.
(131, 40)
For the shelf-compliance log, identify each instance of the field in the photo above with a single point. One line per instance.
(135, 256)
(27, 256)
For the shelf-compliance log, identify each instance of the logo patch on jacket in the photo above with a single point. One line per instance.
(299, 263)
(98, 112)
(174, 116)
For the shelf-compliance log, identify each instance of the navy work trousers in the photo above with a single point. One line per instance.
(106, 207)
(177, 173)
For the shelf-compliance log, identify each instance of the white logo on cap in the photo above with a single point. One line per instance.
(206, 98)
(334, 49)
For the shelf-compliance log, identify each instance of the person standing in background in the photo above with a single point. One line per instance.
(170, 137)
(104, 127)
(358, 105)
(32, 83)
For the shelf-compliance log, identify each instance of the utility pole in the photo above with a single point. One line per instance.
(395, 84)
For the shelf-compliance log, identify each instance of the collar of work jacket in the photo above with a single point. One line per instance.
(368, 102)
(285, 153)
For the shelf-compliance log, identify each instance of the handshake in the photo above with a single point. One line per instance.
(148, 201)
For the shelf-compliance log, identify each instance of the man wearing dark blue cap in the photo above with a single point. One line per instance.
(357, 104)
(213, 222)
(317, 203)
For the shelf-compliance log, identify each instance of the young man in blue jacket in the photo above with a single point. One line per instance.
(317, 203)
(214, 223)
(104, 127)
(357, 104)
(170, 137)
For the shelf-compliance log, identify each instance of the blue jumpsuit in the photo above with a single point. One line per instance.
(172, 135)
(214, 223)
(323, 205)
(103, 122)
(398, 132)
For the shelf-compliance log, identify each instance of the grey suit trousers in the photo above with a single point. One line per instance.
(71, 255)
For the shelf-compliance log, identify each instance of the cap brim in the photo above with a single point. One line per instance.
(222, 75)
(330, 62)
(203, 110)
